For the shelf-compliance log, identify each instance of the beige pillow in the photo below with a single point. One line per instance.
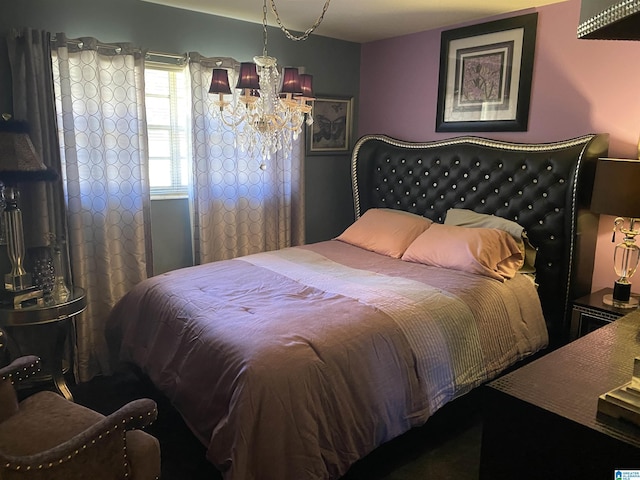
(483, 251)
(385, 231)
(469, 218)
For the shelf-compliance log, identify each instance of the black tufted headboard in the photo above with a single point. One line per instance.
(546, 188)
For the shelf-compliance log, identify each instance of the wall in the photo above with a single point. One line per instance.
(579, 86)
(334, 64)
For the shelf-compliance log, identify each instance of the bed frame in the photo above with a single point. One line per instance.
(546, 188)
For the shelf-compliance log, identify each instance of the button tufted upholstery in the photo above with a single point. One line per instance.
(540, 186)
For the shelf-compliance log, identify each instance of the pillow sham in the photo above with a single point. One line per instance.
(484, 251)
(469, 218)
(385, 231)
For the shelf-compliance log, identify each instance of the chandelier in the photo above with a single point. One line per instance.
(271, 107)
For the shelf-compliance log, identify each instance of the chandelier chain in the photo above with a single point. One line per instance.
(307, 32)
(271, 121)
(264, 28)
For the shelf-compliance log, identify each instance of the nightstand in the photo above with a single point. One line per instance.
(48, 327)
(590, 313)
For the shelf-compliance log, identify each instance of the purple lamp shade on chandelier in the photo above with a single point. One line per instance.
(306, 85)
(290, 81)
(248, 77)
(220, 81)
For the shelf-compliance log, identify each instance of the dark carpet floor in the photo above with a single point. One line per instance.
(446, 448)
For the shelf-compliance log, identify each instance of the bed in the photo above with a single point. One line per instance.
(294, 364)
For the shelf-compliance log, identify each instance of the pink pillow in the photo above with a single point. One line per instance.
(385, 231)
(484, 251)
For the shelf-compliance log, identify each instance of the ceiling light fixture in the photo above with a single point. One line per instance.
(271, 108)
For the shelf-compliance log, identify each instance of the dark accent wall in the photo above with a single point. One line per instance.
(335, 65)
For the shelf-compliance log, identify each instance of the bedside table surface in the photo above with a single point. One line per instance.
(594, 300)
(40, 314)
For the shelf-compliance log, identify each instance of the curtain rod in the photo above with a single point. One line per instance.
(87, 42)
(171, 58)
(158, 57)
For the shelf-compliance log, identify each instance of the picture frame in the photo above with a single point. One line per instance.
(485, 76)
(331, 130)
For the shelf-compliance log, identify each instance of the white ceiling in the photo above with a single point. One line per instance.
(361, 20)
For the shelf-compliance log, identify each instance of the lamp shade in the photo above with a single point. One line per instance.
(616, 189)
(248, 76)
(19, 161)
(219, 81)
(290, 81)
(609, 19)
(306, 85)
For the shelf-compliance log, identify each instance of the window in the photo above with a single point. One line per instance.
(168, 125)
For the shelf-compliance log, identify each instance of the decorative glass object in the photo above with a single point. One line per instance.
(625, 263)
(61, 292)
(42, 269)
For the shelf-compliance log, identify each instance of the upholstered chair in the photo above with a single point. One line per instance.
(46, 436)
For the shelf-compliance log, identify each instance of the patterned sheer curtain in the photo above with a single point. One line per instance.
(102, 133)
(241, 205)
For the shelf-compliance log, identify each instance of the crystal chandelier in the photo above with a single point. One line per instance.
(272, 107)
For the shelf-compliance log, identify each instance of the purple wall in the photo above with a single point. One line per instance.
(579, 86)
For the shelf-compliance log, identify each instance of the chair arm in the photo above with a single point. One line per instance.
(135, 414)
(21, 368)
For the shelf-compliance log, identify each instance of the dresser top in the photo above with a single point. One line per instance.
(569, 380)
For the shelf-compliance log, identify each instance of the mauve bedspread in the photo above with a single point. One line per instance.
(294, 364)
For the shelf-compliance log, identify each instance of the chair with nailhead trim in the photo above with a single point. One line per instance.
(46, 436)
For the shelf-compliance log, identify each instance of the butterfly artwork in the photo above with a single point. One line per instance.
(331, 127)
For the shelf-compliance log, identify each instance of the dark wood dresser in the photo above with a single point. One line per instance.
(541, 420)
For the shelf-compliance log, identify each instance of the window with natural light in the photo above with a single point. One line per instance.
(168, 125)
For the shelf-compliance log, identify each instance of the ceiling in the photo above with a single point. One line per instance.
(360, 21)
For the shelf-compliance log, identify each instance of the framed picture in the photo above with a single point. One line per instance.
(330, 132)
(485, 76)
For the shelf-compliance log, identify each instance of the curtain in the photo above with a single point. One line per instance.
(42, 203)
(104, 164)
(241, 205)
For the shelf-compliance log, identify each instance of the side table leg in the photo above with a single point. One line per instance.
(57, 367)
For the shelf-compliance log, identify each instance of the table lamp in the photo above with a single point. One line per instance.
(19, 163)
(616, 191)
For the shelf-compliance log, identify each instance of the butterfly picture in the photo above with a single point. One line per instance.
(331, 128)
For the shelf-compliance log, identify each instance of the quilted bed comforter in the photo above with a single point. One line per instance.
(296, 363)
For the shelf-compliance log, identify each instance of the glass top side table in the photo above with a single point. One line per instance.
(53, 323)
